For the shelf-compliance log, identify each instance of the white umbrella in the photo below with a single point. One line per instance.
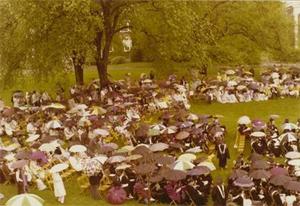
(292, 155)
(230, 72)
(11, 147)
(101, 158)
(123, 166)
(187, 157)
(295, 162)
(116, 159)
(78, 148)
(101, 132)
(289, 126)
(193, 117)
(170, 130)
(47, 147)
(25, 200)
(194, 150)
(182, 165)
(258, 134)
(84, 121)
(160, 146)
(54, 124)
(126, 148)
(32, 137)
(210, 165)
(59, 167)
(288, 137)
(10, 157)
(244, 120)
(232, 83)
(54, 106)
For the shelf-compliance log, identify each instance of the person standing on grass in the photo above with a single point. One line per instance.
(219, 193)
(222, 154)
(59, 187)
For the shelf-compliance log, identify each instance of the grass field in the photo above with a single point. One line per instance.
(286, 108)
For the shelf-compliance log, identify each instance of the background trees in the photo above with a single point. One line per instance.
(48, 37)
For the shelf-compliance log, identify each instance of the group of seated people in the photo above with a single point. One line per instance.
(238, 85)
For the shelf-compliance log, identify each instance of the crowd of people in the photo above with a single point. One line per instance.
(240, 85)
(136, 140)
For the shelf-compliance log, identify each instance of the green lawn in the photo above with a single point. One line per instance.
(284, 107)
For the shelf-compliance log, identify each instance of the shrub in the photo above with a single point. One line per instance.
(119, 60)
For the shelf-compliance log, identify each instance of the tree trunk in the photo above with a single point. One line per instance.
(79, 74)
(102, 73)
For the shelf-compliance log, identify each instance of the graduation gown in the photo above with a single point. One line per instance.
(222, 154)
(219, 195)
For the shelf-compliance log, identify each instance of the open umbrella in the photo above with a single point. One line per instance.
(244, 182)
(174, 175)
(258, 124)
(182, 165)
(116, 159)
(187, 157)
(134, 157)
(170, 130)
(293, 155)
(238, 173)
(289, 137)
(144, 169)
(292, 186)
(100, 132)
(199, 170)
(294, 162)
(258, 134)
(165, 160)
(23, 154)
(208, 164)
(279, 180)
(194, 150)
(19, 164)
(156, 178)
(278, 171)
(92, 167)
(59, 167)
(289, 126)
(260, 164)
(125, 149)
(25, 200)
(116, 195)
(54, 124)
(260, 174)
(54, 106)
(123, 166)
(159, 147)
(244, 120)
(182, 135)
(78, 148)
(100, 158)
(141, 149)
(32, 137)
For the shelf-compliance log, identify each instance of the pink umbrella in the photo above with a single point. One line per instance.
(116, 195)
(243, 182)
(278, 171)
(19, 164)
(258, 123)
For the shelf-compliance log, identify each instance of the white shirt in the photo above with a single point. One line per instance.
(290, 200)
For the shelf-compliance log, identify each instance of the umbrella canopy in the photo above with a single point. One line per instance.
(32, 137)
(289, 137)
(260, 164)
(59, 167)
(170, 130)
(100, 132)
(92, 167)
(278, 171)
(78, 148)
(199, 170)
(289, 126)
(258, 134)
(230, 72)
(116, 159)
(293, 155)
(23, 154)
(238, 173)
(54, 124)
(159, 147)
(187, 157)
(156, 178)
(25, 200)
(141, 149)
(244, 120)
(258, 123)
(134, 157)
(182, 165)
(19, 164)
(100, 158)
(123, 166)
(292, 186)
(182, 135)
(54, 106)
(280, 180)
(174, 175)
(244, 182)
(294, 162)
(144, 169)
(254, 157)
(194, 150)
(165, 160)
(125, 149)
(260, 174)
(116, 195)
(208, 164)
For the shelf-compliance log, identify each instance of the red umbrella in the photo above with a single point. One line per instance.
(116, 195)
(278, 171)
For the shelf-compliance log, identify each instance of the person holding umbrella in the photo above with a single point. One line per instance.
(58, 184)
(219, 193)
(222, 154)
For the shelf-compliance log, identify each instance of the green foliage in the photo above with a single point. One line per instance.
(208, 32)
